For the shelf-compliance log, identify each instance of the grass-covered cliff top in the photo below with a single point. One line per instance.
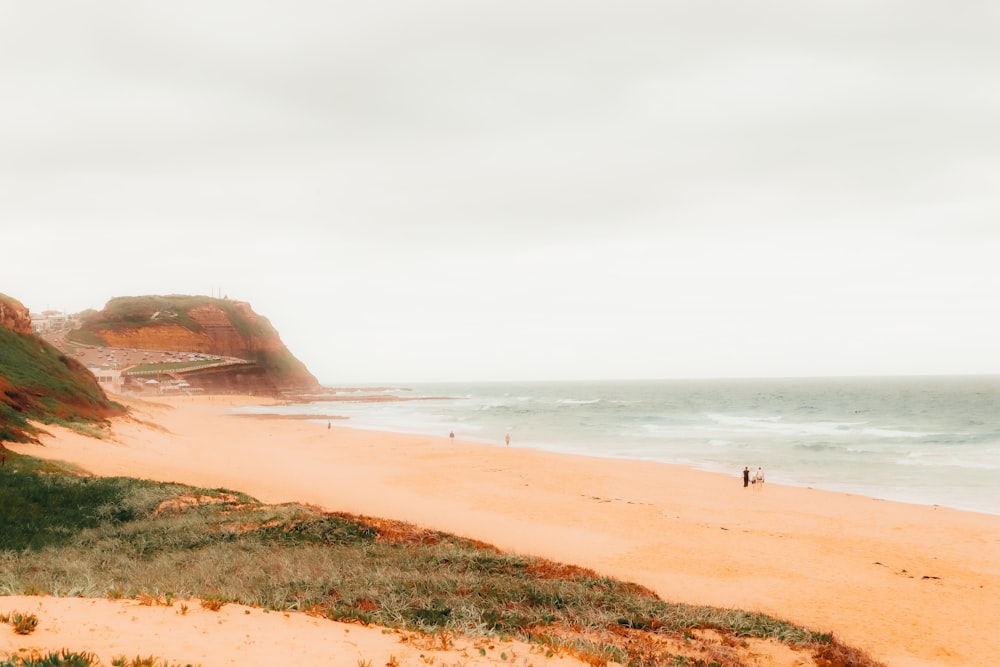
(38, 383)
(138, 311)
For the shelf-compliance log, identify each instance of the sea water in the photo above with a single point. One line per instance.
(928, 440)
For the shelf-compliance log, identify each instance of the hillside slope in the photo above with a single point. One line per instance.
(180, 323)
(38, 383)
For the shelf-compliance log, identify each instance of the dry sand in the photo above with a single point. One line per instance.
(913, 585)
(240, 635)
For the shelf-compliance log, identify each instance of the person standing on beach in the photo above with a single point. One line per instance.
(508, 439)
(452, 436)
(746, 476)
(759, 477)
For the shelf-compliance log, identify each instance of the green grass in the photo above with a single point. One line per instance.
(103, 537)
(136, 311)
(84, 337)
(40, 383)
(28, 361)
(132, 311)
(64, 658)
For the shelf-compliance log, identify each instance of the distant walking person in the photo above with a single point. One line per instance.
(508, 439)
(452, 436)
(746, 476)
(758, 478)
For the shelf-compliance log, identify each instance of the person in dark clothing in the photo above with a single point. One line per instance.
(746, 476)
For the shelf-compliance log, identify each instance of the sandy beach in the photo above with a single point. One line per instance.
(913, 585)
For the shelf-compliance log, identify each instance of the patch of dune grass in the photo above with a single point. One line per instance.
(113, 537)
(67, 658)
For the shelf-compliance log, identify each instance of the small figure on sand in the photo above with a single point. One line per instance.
(746, 476)
(758, 478)
(328, 426)
(508, 439)
(452, 436)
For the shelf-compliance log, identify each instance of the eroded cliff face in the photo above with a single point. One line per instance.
(215, 335)
(212, 326)
(14, 316)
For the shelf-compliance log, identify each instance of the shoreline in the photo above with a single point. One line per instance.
(914, 585)
(342, 421)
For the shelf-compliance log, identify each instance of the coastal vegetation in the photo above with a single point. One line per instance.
(66, 534)
(40, 384)
(67, 658)
(132, 311)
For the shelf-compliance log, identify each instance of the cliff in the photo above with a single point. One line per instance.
(14, 316)
(179, 323)
(39, 384)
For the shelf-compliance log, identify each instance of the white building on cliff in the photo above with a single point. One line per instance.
(110, 379)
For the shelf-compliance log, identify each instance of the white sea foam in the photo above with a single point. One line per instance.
(893, 433)
(776, 425)
(948, 462)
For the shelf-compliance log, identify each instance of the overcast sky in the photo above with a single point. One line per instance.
(422, 191)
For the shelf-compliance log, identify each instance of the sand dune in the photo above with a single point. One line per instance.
(239, 635)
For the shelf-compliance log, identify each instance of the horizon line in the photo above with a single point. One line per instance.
(734, 378)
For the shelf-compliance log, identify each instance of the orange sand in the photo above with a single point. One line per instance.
(913, 585)
(239, 635)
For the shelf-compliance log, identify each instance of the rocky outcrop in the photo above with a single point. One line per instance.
(223, 327)
(14, 316)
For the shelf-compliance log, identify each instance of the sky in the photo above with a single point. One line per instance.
(512, 190)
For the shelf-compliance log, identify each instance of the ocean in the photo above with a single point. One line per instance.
(925, 440)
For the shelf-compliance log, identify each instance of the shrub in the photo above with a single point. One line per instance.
(64, 658)
(24, 624)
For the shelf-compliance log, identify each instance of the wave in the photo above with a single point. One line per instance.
(737, 419)
(777, 426)
(919, 460)
(893, 433)
(817, 446)
(577, 401)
